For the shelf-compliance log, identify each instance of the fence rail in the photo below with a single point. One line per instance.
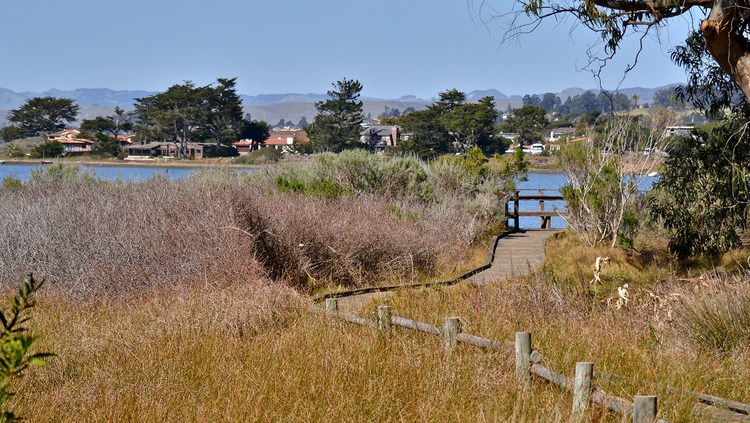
(545, 216)
(643, 408)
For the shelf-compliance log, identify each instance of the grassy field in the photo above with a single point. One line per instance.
(251, 352)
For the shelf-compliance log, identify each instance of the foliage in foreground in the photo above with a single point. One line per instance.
(703, 194)
(16, 341)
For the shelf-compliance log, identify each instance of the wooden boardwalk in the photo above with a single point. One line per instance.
(516, 255)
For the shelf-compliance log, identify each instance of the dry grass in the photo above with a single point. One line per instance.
(639, 343)
(177, 357)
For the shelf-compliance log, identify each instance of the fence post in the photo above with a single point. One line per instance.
(384, 320)
(452, 328)
(523, 353)
(332, 305)
(581, 390)
(644, 409)
(516, 219)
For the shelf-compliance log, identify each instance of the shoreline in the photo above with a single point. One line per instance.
(535, 166)
(137, 163)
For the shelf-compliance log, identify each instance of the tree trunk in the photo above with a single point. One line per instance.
(727, 44)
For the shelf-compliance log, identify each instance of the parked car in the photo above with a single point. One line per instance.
(534, 149)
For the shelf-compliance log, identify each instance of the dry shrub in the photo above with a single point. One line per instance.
(715, 315)
(107, 238)
(346, 241)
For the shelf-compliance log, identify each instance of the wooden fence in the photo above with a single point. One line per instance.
(643, 408)
(545, 216)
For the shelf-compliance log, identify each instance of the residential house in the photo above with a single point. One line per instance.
(125, 140)
(283, 139)
(674, 130)
(72, 144)
(559, 133)
(146, 150)
(380, 137)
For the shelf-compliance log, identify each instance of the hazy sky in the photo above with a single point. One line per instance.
(394, 47)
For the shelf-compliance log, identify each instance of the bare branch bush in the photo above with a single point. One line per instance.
(346, 241)
(93, 239)
(605, 174)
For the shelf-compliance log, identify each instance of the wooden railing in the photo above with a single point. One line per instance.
(530, 366)
(528, 362)
(545, 216)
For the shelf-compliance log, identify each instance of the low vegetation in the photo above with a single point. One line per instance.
(185, 300)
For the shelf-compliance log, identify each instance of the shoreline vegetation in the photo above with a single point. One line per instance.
(536, 164)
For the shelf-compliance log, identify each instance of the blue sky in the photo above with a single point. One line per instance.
(394, 47)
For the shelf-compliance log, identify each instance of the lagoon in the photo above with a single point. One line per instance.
(22, 171)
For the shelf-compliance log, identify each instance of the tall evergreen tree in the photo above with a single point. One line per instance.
(224, 116)
(338, 123)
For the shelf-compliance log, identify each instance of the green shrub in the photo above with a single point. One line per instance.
(106, 148)
(402, 177)
(12, 183)
(16, 341)
(48, 149)
(702, 197)
(60, 173)
(289, 185)
(325, 188)
(15, 151)
(221, 151)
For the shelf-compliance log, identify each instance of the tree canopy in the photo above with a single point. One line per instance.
(41, 115)
(188, 113)
(338, 123)
(528, 122)
(451, 124)
(106, 129)
(716, 56)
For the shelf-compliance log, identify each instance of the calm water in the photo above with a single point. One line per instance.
(551, 183)
(109, 173)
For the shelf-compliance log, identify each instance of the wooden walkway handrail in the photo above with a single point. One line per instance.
(545, 216)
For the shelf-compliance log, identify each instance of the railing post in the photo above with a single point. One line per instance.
(452, 328)
(332, 305)
(581, 390)
(516, 219)
(507, 211)
(384, 320)
(644, 409)
(543, 219)
(523, 353)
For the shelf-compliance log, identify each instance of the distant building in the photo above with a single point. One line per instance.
(168, 150)
(380, 137)
(672, 131)
(558, 133)
(72, 144)
(283, 139)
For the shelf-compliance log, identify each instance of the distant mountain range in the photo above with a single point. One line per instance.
(273, 107)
